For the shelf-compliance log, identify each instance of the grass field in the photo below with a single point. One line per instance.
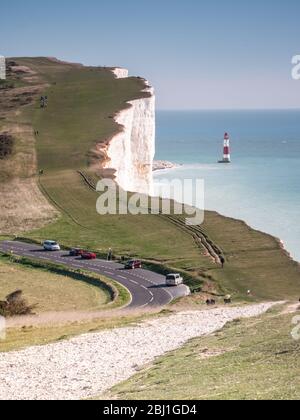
(82, 101)
(249, 359)
(49, 291)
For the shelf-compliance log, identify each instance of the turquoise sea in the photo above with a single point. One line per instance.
(261, 186)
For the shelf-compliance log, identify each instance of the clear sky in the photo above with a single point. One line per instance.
(198, 54)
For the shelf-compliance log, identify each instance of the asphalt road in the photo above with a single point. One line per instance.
(146, 288)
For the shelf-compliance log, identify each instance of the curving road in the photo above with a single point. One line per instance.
(146, 288)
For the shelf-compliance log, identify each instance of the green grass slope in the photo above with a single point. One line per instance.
(254, 359)
(82, 101)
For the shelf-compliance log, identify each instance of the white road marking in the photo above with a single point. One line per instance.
(133, 281)
(146, 304)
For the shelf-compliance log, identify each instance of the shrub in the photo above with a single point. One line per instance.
(15, 305)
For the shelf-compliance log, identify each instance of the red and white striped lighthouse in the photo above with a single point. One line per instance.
(226, 149)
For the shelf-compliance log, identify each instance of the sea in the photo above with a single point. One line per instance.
(262, 184)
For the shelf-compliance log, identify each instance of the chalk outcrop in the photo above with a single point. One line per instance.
(129, 155)
(120, 73)
(161, 165)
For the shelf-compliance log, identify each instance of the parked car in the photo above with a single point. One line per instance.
(133, 264)
(51, 246)
(76, 252)
(174, 280)
(85, 255)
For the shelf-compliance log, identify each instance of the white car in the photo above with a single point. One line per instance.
(51, 246)
(174, 280)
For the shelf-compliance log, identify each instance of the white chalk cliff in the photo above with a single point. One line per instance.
(130, 153)
(120, 73)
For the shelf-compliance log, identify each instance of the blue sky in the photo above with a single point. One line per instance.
(197, 54)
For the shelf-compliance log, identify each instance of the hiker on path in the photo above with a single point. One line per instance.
(228, 299)
(109, 255)
(222, 260)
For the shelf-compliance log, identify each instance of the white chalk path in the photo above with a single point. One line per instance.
(91, 364)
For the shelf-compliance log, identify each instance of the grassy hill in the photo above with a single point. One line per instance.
(253, 359)
(22, 206)
(81, 103)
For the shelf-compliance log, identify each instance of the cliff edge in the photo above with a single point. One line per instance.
(129, 155)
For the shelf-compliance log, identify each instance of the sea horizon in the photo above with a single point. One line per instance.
(158, 110)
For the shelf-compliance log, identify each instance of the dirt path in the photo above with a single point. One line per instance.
(291, 308)
(62, 318)
(91, 364)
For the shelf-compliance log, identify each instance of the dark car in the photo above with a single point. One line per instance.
(133, 264)
(88, 255)
(76, 252)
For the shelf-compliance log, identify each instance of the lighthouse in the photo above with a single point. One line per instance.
(226, 149)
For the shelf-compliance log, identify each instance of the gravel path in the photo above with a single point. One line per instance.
(91, 364)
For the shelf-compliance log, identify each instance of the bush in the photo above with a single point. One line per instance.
(15, 305)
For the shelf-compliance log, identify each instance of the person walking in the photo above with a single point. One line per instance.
(109, 255)
(228, 299)
(222, 260)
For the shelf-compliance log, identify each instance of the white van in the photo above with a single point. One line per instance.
(51, 246)
(174, 280)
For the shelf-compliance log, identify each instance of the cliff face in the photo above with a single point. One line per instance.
(120, 73)
(130, 153)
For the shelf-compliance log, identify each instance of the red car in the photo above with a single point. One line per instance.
(88, 255)
(133, 264)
